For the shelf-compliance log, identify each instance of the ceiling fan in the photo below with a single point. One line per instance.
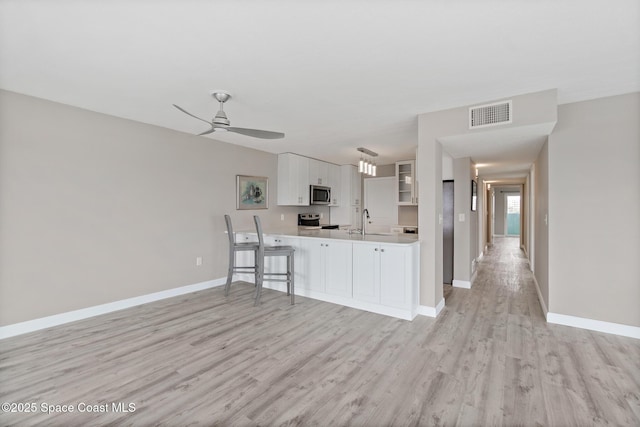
(220, 122)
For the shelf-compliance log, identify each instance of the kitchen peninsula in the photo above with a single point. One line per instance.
(376, 272)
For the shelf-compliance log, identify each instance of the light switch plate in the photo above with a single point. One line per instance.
(461, 218)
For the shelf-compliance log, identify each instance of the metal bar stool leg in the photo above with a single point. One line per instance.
(227, 286)
(259, 276)
(290, 284)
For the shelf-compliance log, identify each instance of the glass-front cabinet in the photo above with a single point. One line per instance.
(406, 183)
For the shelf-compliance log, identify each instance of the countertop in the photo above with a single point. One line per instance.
(390, 238)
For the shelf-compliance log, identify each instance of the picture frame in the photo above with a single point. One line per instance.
(474, 195)
(252, 192)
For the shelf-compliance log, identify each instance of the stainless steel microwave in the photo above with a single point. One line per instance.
(319, 195)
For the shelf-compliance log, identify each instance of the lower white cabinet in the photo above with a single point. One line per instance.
(378, 277)
(383, 274)
(327, 266)
(366, 269)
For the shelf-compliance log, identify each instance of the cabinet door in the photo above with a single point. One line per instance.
(405, 182)
(313, 264)
(393, 280)
(356, 187)
(366, 272)
(335, 184)
(293, 180)
(338, 268)
(318, 172)
(302, 180)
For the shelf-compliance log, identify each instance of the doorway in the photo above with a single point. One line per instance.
(447, 231)
(513, 214)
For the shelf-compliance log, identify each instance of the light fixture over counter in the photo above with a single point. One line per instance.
(367, 166)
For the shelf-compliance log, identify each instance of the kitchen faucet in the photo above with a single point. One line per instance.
(364, 212)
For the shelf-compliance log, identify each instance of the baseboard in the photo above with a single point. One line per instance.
(545, 311)
(425, 310)
(594, 325)
(407, 313)
(461, 284)
(85, 313)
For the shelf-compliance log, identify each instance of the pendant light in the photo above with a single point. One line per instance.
(366, 165)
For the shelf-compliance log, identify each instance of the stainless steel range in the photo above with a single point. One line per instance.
(311, 221)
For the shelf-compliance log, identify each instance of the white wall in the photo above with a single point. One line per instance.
(541, 233)
(594, 210)
(96, 209)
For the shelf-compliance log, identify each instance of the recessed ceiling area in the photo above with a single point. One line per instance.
(333, 76)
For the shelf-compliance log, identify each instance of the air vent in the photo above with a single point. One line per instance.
(498, 113)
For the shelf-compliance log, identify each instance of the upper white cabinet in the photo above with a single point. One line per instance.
(296, 173)
(293, 180)
(406, 183)
(335, 181)
(347, 207)
(356, 186)
(318, 172)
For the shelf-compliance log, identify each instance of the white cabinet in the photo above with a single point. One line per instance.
(348, 210)
(356, 186)
(379, 277)
(338, 275)
(384, 274)
(318, 172)
(293, 180)
(335, 181)
(366, 269)
(406, 183)
(327, 266)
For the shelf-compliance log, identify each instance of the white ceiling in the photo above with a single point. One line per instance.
(332, 75)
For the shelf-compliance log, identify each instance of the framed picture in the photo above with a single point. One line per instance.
(252, 192)
(474, 195)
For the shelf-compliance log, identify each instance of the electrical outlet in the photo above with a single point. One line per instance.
(321, 215)
(281, 217)
(461, 217)
(198, 261)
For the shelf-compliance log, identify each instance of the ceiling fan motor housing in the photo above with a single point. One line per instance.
(221, 118)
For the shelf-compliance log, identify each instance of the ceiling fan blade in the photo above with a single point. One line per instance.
(208, 131)
(264, 134)
(186, 112)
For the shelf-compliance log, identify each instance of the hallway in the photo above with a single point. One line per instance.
(525, 371)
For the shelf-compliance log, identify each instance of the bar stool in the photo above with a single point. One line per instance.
(238, 247)
(269, 251)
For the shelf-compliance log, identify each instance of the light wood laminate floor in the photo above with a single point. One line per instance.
(203, 359)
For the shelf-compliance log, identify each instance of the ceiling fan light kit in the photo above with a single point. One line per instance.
(221, 122)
